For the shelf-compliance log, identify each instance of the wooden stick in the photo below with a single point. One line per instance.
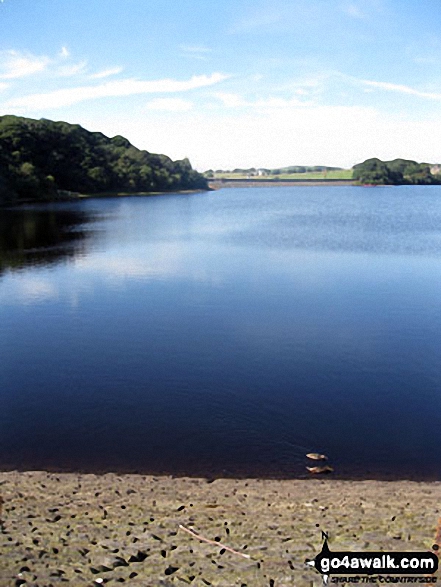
(199, 537)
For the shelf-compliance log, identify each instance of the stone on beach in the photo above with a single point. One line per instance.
(138, 541)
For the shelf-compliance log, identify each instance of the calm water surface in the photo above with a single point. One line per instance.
(225, 333)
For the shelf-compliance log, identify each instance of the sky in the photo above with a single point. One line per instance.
(233, 84)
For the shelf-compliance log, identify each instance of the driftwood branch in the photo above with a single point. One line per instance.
(199, 537)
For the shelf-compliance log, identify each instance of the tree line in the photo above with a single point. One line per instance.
(396, 172)
(44, 160)
(278, 171)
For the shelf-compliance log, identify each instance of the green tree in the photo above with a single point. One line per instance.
(39, 157)
(375, 172)
(396, 172)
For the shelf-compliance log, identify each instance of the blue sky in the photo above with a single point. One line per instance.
(241, 83)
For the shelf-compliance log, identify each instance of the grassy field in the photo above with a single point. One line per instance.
(333, 174)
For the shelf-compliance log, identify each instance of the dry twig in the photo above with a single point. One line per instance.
(199, 537)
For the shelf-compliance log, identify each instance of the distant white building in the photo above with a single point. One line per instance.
(261, 172)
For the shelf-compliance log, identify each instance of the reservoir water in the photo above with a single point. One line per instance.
(224, 333)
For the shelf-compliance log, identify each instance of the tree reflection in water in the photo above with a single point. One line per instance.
(41, 236)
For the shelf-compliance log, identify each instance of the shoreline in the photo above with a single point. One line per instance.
(217, 184)
(78, 197)
(338, 473)
(78, 528)
(139, 194)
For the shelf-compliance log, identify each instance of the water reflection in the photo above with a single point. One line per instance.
(41, 236)
(224, 334)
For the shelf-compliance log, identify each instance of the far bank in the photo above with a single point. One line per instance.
(217, 184)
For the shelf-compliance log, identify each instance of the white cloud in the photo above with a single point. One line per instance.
(170, 105)
(354, 11)
(286, 135)
(126, 87)
(402, 89)
(425, 51)
(362, 9)
(306, 16)
(195, 51)
(276, 134)
(261, 18)
(231, 100)
(106, 73)
(272, 103)
(195, 48)
(427, 60)
(14, 64)
(70, 70)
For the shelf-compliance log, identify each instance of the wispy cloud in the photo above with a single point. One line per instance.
(231, 100)
(169, 105)
(353, 10)
(234, 100)
(361, 9)
(427, 59)
(125, 87)
(106, 73)
(332, 87)
(401, 89)
(263, 17)
(273, 103)
(302, 15)
(311, 84)
(70, 70)
(14, 64)
(426, 51)
(195, 51)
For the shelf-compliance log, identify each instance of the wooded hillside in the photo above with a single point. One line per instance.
(41, 158)
(396, 172)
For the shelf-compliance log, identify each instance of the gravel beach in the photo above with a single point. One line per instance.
(83, 529)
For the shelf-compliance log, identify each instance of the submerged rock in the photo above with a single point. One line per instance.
(316, 456)
(320, 470)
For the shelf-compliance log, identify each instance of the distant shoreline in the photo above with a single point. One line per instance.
(217, 184)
